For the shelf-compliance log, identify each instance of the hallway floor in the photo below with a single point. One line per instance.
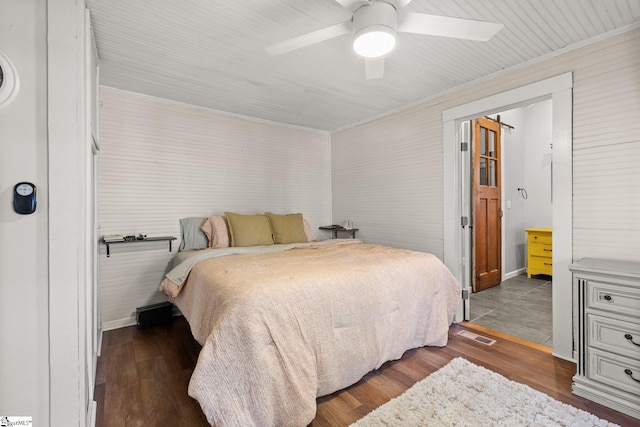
(518, 306)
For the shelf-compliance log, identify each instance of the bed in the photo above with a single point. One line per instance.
(283, 324)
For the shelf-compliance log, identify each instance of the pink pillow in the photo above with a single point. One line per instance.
(307, 230)
(217, 232)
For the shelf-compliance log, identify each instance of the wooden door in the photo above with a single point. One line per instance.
(487, 205)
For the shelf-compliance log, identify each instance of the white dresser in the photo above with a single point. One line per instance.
(608, 333)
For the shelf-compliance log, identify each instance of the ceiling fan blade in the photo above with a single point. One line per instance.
(403, 3)
(447, 26)
(352, 5)
(374, 68)
(310, 38)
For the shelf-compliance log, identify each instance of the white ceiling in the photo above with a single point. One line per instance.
(210, 53)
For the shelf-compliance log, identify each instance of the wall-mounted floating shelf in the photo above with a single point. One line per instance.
(146, 239)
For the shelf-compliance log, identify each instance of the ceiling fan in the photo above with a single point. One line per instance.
(374, 25)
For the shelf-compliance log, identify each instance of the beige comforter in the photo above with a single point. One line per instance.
(279, 329)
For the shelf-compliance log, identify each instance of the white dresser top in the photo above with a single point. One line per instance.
(629, 269)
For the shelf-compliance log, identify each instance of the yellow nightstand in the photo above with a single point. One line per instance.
(539, 251)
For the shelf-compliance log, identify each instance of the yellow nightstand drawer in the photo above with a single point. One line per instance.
(540, 238)
(540, 265)
(537, 249)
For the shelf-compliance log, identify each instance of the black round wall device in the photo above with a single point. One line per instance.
(24, 198)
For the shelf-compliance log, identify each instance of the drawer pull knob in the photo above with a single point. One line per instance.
(629, 338)
(547, 250)
(548, 263)
(607, 297)
(629, 372)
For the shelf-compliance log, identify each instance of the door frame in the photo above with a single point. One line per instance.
(456, 257)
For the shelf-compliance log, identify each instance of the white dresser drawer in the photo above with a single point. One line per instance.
(613, 298)
(612, 369)
(614, 335)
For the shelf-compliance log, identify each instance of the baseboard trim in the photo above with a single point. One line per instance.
(514, 273)
(119, 323)
(128, 321)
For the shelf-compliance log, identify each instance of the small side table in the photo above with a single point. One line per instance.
(335, 230)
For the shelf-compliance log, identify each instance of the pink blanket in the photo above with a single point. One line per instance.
(282, 328)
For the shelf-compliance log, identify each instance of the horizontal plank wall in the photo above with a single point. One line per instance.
(606, 151)
(387, 178)
(161, 161)
(387, 174)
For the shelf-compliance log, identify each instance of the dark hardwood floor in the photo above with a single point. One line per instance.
(143, 375)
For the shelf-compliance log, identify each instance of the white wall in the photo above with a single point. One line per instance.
(161, 161)
(387, 175)
(537, 164)
(606, 154)
(527, 164)
(387, 178)
(24, 293)
(513, 161)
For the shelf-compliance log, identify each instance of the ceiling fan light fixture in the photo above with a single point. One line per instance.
(374, 41)
(374, 26)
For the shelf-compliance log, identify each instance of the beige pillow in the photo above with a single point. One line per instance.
(287, 228)
(249, 230)
(217, 231)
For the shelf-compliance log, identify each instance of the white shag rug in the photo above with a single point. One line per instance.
(464, 394)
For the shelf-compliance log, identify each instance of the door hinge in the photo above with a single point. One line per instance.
(465, 294)
(464, 146)
(464, 221)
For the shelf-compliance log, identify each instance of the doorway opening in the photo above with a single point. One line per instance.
(456, 236)
(510, 192)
